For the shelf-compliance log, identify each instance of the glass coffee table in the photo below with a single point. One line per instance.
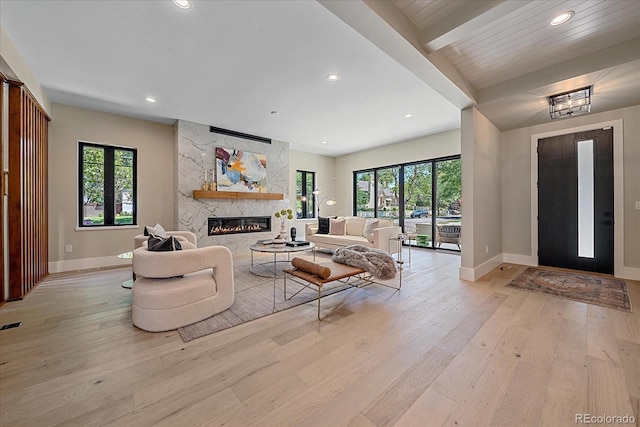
(270, 268)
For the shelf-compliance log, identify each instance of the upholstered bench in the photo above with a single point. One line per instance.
(320, 274)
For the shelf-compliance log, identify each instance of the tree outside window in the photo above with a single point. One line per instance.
(107, 177)
(365, 201)
(305, 202)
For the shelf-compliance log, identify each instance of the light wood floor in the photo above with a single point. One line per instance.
(439, 352)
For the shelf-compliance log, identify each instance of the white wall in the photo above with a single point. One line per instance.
(324, 168)
(99, 247)
(16, 62)
(481, 195)
(424, 148)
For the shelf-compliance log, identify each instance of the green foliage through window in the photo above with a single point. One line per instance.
(107, 177)
(305, 201)
(377, 192)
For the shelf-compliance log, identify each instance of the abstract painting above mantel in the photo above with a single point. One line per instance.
(238, 170)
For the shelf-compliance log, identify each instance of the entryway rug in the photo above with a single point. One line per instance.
(590, 289)
(253, 301)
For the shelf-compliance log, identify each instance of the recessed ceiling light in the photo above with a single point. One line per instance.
(182, 4)
(150, 99)
(563, 17)
(333, 77)
(324, 142)
(408, 116)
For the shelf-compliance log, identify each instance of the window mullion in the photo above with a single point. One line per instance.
(135, 187)
(303, 193)
(109, 186)
(313, 199)
(81, 185)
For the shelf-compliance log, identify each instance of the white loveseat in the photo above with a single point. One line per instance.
(354, 234)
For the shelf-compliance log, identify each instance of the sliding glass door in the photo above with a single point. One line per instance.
(365, 194)
(388, 205)
(448, 223)
(422, 197)
(418, 182)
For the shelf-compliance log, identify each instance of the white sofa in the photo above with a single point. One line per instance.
(354, 227)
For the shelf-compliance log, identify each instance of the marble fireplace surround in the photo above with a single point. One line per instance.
(195, 147)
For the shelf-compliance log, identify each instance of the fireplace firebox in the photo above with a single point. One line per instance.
(234, 225)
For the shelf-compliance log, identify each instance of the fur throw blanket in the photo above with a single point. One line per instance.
(376, 262)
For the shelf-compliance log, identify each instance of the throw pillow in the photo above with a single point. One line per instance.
(322, 271)
(158, 244)
(336, 226)
(155, 230)
(369, 225)
(323, 225)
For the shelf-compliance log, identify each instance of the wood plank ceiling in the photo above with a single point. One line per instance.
(523, 41)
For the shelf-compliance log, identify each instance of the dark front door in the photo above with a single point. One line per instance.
(575, 201)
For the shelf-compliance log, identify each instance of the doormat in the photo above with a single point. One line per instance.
(590, 289)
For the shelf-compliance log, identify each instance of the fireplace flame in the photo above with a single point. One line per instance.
(233, 225)
(237, 229)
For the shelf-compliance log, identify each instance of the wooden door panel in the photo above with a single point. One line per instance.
(558, 202)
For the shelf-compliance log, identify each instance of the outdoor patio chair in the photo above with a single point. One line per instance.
(447, 233)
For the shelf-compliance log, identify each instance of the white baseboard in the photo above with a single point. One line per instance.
(473, 274)
(630, 273)
(520, 259)
(86, 264)
(467, 274)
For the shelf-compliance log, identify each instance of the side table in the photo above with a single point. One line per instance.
(127, 284)
(399, 240)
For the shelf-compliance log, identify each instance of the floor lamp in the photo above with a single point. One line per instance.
(316, 195)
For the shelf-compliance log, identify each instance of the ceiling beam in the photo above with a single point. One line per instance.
(384, 25)
(595, 61)
(466, 21)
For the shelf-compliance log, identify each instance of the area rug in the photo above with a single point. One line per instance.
(590, 289)
(253, 300)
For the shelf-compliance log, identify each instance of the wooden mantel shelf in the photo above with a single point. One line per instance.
(202, 194)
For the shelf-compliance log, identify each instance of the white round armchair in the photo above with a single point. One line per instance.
(178, 288)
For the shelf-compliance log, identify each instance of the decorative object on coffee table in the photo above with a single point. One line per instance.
(278, 241)
(283, 215)
(293, 232)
